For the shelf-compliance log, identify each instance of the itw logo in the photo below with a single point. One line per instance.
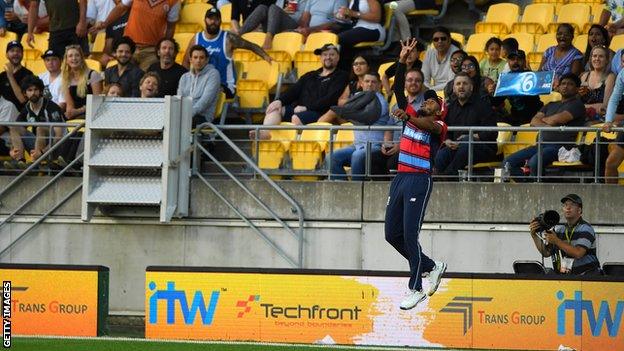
(578, 305)
(171, 295)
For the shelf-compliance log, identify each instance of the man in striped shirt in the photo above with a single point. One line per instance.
(574, 241)
(423, 131)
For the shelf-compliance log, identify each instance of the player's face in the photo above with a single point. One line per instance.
(123, 54)
(430, 106)
(33, 94)
(213, 24)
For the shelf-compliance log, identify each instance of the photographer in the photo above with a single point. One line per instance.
(571, 246)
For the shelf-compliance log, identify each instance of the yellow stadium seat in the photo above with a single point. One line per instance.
(94, 65)
(580, 42)
(596, 11)
(343, 137)
(262, 70)
(557, 3)
(40, 46)
(382, 70)
(544, 42)
(111, 63)
(589, 2)
(318, 39)
(307, 152)
(252, 94)
(36, 66)
(476, 44)
(194, 13)
(552, 97)
(460, 38)
(575, 14)
(499, 19)
(526, 41)
(271, 152)
(617, 42)
(289, 42)
(535, 19)
(226, 14)
(306, 61)
(283, 59)
(521, 140)
(255, 37)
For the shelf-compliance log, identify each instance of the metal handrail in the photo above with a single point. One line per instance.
(45, 154)
(251, 163)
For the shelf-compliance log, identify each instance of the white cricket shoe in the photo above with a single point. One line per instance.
(435, 277)
(412, 300)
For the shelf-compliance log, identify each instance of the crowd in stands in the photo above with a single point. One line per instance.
(141, 58)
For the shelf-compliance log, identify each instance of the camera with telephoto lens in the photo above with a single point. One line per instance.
(547, 220)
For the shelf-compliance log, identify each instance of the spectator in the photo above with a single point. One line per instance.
(493, 65)
(52, 78)
(220, 44)
(319, 15)
(8, 113)
(457, 58)
(167, 69)
(149, 85)
(201, 83)
(360, 68)
(570, 111)
(68, 24)
(148, 22)
(466, 110)
(97, 12)
(367, 16)
(124, 72)
(412, 81)
(13, 74)
(355, 155)
(412, 62)
(311, 96)
(114, 90)
(597, 36)
(244, 8)
(522, 107)
(509, 45)
(616, 154)
(572, 246)
(402, 8)
(597, 84)
(16, 20)
(78, 81)
(483, 86)
(37, 109)
(437, 66)
(614, 10)
(274, 20)
(562, 58)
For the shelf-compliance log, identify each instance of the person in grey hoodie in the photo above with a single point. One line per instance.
(203, 84)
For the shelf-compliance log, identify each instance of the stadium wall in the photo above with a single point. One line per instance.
(474, 227)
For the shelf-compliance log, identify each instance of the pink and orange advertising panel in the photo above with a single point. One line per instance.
(364, 310)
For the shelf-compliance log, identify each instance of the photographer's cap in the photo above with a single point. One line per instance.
(574, 198)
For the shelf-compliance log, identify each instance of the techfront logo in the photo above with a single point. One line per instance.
(463, 305)
(245, 305)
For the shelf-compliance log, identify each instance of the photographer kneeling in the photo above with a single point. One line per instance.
(572, 246)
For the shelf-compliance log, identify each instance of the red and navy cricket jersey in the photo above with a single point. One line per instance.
(418, 147)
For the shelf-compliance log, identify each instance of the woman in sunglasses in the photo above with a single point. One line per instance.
(437, 64)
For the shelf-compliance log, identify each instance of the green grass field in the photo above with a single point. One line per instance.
(124, 344)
